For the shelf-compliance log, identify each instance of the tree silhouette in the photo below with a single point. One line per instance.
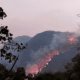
(20, 74)
(73, 68)
(8, 45)
(2, 13)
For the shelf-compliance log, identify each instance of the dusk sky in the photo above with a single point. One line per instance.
(29, 17)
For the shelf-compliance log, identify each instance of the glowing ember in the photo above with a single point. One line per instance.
(45, 61)
(72, 39)
(33, 69)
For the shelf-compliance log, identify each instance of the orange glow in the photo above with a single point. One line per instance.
(33, 69)
(43, 62)
(72, 39)
(36, 68)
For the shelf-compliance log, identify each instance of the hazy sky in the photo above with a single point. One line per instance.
(29, 17)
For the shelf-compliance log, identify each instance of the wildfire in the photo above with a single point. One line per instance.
(72, 39)
(33, 69)
(36, 68)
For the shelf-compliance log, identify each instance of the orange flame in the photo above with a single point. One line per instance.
(72, 39)
(36, 68)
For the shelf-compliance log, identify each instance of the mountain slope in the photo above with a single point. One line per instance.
(22, 39)
(19, 39)
(43, 43)
(40, 45)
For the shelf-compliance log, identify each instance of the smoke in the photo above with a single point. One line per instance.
(39, 59)
(58, 40)
(77, 30)
(35, 61)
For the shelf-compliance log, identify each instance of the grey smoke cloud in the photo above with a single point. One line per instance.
(58, 41)
(29, 56)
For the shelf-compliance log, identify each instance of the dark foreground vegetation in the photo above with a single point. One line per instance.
(72, 72)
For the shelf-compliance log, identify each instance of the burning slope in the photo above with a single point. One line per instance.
(72, 39)
(36, 68)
